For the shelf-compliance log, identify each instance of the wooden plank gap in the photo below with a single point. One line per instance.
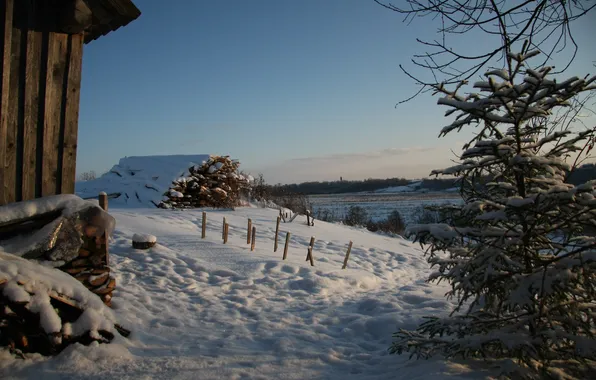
(43, 73)
(63, 95)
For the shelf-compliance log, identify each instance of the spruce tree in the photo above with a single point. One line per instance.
(521, 261)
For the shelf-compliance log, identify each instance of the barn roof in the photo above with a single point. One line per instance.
(109, 15)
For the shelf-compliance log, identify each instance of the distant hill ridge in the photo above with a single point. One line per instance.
(580, 175)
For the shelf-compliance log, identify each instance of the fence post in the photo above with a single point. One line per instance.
(310, 248)
(248, 231)
(286, 246)
(103, 203)
(223, 228)
(254, 234)
(204, 225)
(309, 257)
(226, 230)
(347, 255)
(276, 234)
(308, 218)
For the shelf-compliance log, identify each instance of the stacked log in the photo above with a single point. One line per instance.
(90, 267)
(215, 183)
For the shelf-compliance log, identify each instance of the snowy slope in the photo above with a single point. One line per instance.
(140, 180)
(412, 187)
(200, 309)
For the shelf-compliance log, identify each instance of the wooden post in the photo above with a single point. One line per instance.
(248, 231)
(204, 225)
(347, 255)
(254, 234)
(309, 257)
(276, 234)
(310, 248)
(103, 203)
(286, 246)
(308, 218)
(223, 228)
(226, 230)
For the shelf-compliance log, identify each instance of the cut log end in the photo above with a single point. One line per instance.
(142, 244)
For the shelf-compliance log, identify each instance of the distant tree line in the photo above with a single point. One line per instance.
(340, 187)
(263, 190)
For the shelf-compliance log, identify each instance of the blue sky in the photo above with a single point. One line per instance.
(298, 90)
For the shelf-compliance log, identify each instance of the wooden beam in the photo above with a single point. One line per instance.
(75, 17)
(12, 112)
(6, 12)
(71, 115)
(56, 69)
(31, 112)
(18, 227)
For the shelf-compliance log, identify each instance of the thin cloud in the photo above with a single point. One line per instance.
(409, 162)
(390, 152)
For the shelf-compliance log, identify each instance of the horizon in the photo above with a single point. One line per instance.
(298, 92)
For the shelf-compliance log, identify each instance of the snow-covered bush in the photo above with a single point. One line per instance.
(520, 267)
(356, 216)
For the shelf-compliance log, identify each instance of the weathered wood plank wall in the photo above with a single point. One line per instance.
(40, 88)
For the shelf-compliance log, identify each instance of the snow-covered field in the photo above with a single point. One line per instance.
(380, 205)
(200, 309)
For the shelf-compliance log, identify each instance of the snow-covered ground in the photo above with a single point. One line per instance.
(200, 309)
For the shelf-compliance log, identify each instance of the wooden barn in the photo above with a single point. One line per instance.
(41, 51)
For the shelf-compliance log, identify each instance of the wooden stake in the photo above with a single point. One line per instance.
(223, 228)
(204, 225)
(276, 234)
(286, 246)
(309, 257)
(310, 248)
(347, 255)
(103, 203)
(308, 218)
(254, 234)
(226, 230)
(248, 231)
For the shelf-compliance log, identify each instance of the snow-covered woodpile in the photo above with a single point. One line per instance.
(43, 309)
(63, 232)
(53, 267)
(214, 183)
